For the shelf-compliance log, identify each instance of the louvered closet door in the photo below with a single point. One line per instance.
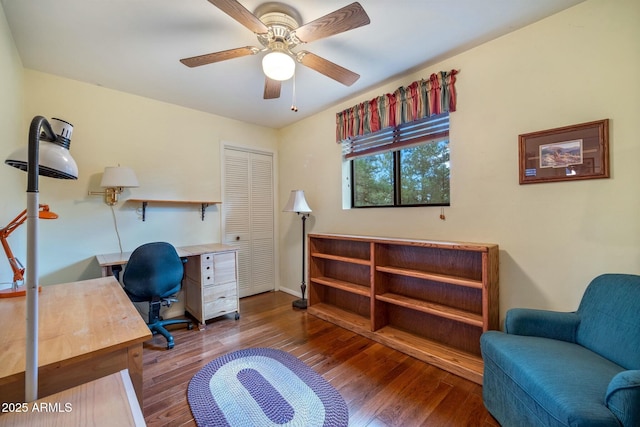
(248, 219)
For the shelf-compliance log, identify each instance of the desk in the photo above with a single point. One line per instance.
(210, 280)
(106, 261)
(108, 401)
(87, 330)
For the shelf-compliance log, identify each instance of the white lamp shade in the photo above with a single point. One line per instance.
(118, 176)
(278, 66)
(53, 160)
(297, 203)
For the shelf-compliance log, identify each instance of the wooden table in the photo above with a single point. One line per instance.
(106, 261)
(87, 330)
(108, 401)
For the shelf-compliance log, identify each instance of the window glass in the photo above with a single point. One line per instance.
(424, 174)
(373, 180)
(403, 166)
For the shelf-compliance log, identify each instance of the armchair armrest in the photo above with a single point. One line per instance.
(623, 397)
(542, 323)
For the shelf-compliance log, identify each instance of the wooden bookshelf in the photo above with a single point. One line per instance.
(429, 299)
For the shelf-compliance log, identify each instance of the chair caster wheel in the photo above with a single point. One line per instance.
(169, 346)
(237, 316)
(189, 326)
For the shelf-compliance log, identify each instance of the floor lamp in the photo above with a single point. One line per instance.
(299, 205)
(56, 162)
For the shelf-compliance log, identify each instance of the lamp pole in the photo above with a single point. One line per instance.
(33, 171)
(302, 303)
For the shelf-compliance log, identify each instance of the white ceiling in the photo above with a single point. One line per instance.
(134, 46)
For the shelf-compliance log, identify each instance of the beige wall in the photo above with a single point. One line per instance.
(174, 151)
(12, 129)
(577, 66)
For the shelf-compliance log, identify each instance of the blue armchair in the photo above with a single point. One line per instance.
(568, 369)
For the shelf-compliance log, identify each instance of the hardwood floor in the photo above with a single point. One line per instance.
(381, 386)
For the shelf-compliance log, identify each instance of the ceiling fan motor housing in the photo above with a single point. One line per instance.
(281, 21)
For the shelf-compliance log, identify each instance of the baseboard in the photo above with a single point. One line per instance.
(297, 294)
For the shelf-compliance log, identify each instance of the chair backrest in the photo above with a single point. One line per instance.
(610, 319)
(153, 270)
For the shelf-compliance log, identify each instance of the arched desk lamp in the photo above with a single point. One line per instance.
(17, 290)
(298, 204)
(56, 162)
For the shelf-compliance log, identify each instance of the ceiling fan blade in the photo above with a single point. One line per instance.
(341, 20)
(328, 68)
(210, 58)
(240, 14)
(271, 88)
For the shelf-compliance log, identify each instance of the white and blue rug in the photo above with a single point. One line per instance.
(264, 387)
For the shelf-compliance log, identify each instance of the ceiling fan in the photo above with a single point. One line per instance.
(278, 29)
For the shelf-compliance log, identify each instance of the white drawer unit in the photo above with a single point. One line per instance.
(211, 285)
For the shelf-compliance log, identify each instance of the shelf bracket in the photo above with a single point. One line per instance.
(144, 210)
(203, 207)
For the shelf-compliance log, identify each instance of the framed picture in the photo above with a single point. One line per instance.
(565, 154)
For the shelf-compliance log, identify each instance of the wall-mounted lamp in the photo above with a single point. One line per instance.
(114, 180)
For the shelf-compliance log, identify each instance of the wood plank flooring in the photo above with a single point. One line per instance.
(381, 386)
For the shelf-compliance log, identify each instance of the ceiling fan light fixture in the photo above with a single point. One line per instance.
(278, 65)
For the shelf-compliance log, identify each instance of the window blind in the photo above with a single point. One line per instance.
(426, 130)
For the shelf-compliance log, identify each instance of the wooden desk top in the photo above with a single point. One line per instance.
(119, 258)
(108, 401)
(77, 320)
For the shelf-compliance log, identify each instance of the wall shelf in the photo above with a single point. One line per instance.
(145, 202)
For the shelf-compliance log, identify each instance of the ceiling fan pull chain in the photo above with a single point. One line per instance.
(294, 108)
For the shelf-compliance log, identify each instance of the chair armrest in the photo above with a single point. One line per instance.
(623, 397)
(116, 270)
(542, 323)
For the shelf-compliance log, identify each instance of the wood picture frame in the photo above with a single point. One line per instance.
(567, 153)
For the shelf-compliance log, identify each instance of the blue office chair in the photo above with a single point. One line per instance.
(154, 273)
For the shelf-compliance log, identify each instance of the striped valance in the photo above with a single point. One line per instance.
(420, 99)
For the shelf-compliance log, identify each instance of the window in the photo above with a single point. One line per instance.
(403, 166)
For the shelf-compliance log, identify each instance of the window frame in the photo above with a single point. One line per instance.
(399, 141)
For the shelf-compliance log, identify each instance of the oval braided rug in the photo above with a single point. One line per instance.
(264, 387)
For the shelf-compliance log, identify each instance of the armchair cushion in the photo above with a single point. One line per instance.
(610, 318)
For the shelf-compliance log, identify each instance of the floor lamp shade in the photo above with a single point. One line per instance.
(297, 203)
(51, 158)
